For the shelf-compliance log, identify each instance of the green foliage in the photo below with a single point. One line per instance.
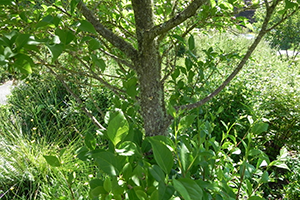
(191, 165)
(25, 173)
(44, 107)
(286, 35)
(291, 189)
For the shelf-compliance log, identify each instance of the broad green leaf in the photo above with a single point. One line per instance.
(254, 152)
(99, 62)
(264, 177)
(22, 40)
(279, 164)
(289, 4)
(175, 74)
(191, 42)
(186, 121)
(185, 157)
(260, 127)
(126, 148)
(107, 162)
(179, 38)
(256, 198)
(94, 44)
(45, 21)
(90, 141)
(55, 50)
(157, 173)
(53, 161)
(188, 63)
(107, 184)
(95, 192)
(154, 195)
(139, 191)
(6, 2)
(86, 27)
(283, 154)
(188, 189)
(131, 86)
(73, 5)
(23, 63)
(165, 191)
(8, 53)
(162, 155)
(117, 128)
(65, 36)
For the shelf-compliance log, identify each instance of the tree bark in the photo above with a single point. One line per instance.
(148, 68)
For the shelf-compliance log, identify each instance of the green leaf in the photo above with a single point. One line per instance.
(186, 121)
(117, 128)
(264, 177)
(283, 154)
(55, 50)
(289, 4)
(8, 53)
(6, 2)
(53, 161)
(99, 62)
(22, 40)
(127, 148)
(90, 141)
(188, 189)
(107, 162)
(94, 44)
(260, 127)
(45, 21)
(107, 184)
(162, 155)
(279, 164)
(256, 198)
(65, 36)
(188, 63)
(86, 27)
(23, 63)
(191, 43)
(185, 157)
(73, 5)
(140, 193)
(179, 38)
(157, 173)
(95, 192)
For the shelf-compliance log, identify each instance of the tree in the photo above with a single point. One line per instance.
(142, 37)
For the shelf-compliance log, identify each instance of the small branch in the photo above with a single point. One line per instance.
(178, 19)
(262, 32)
(114, 39)
(79, 101)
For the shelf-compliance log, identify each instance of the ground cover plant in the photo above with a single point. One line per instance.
(155, 142)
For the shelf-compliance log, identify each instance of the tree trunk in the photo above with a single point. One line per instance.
(148, 68)
(151, 92)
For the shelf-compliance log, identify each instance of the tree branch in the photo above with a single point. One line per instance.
(262, 32)
(114, 39)
(79, 101)
(178, 19)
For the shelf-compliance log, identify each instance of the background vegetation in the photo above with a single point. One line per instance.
(48, 122)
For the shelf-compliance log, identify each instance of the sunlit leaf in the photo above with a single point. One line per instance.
(188, 189)
(86, 27)
(162, 155)
(53, 161)
(55, 50)
(117, 128)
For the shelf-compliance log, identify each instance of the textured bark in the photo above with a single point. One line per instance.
(149, 70)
